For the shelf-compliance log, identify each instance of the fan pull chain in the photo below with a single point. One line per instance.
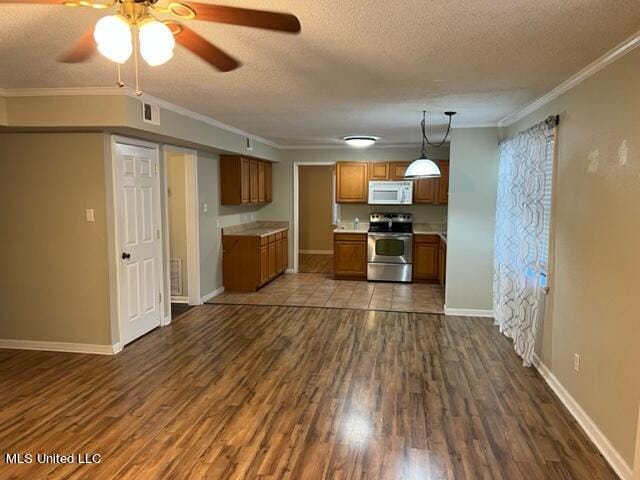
(119, 84)
(138, 92)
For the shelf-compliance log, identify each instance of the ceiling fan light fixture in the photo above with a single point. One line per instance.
(360, 141)
(113, 38)
(156, 42)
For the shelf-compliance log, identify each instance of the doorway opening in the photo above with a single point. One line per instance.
(316, 216)
(181, 229)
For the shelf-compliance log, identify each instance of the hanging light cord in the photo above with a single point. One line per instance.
(425, 140)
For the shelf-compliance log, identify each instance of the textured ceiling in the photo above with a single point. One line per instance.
(358, 67)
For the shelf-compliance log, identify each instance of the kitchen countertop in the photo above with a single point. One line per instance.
(418, 229)
(256, 229)
(350, 227)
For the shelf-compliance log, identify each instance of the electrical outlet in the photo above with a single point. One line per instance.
(218, 223)
(205, 207)
(90, 215)
(576, 362)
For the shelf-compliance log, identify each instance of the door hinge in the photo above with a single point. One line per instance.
(158, 233)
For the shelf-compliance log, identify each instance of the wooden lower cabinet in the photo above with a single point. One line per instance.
(442, 262)
(350, 255)
(425, 257)
(264, 264)
(249, 262)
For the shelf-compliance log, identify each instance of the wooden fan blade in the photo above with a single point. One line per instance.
(84, 47)
(283, 22)
(206, 50)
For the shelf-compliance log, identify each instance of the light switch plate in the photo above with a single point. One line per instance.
(205, 207)
(90, 214)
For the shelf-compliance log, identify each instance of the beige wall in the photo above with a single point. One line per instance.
(177, 213)
(316, 212)
(3, 111)
(54, 284)
(593, 306)
(282, 206)
(473, 188)
(67, 111)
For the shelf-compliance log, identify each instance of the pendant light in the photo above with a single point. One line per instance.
(423, 167)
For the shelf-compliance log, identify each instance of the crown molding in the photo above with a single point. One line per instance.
(573, 81)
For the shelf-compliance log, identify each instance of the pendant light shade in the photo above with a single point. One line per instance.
(422, 168)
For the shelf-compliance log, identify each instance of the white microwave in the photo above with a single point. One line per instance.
(390, 193)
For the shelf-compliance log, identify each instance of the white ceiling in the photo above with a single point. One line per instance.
(358, 67)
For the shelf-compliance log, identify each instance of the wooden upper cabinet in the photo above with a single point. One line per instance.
(443, 182)
(253, 181)
(397, 169)
(262, 183)
(425, 190)
(352, 179)
(268, 178)
(378, 171)
(244, 180)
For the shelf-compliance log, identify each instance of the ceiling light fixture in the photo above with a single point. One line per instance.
(156, 42)
(360, 141)
(423, 167)
(113, 38)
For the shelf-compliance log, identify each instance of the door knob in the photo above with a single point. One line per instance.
(126, 256)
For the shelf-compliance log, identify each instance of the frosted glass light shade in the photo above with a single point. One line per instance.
(156, 42)
(422, 168)
(360, 142)
(113, 37)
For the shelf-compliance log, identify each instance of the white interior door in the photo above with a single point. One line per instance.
(137, 210)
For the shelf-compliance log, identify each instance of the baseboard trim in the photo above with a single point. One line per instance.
(467, 312)
(290, 270)
(179, 299)
(61, 347)
(317, 252)
(598, 438)
(166, 321)
(209, 296)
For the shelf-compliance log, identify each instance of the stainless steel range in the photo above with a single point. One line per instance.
(390, 247)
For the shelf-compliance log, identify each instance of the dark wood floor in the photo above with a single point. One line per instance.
(315, 263)
(230, 392)
(178, 309)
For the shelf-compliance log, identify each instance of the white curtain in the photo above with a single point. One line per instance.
(519, 243)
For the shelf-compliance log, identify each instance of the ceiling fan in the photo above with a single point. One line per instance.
(113, 35)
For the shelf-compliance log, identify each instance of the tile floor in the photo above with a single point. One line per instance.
(321, 290)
